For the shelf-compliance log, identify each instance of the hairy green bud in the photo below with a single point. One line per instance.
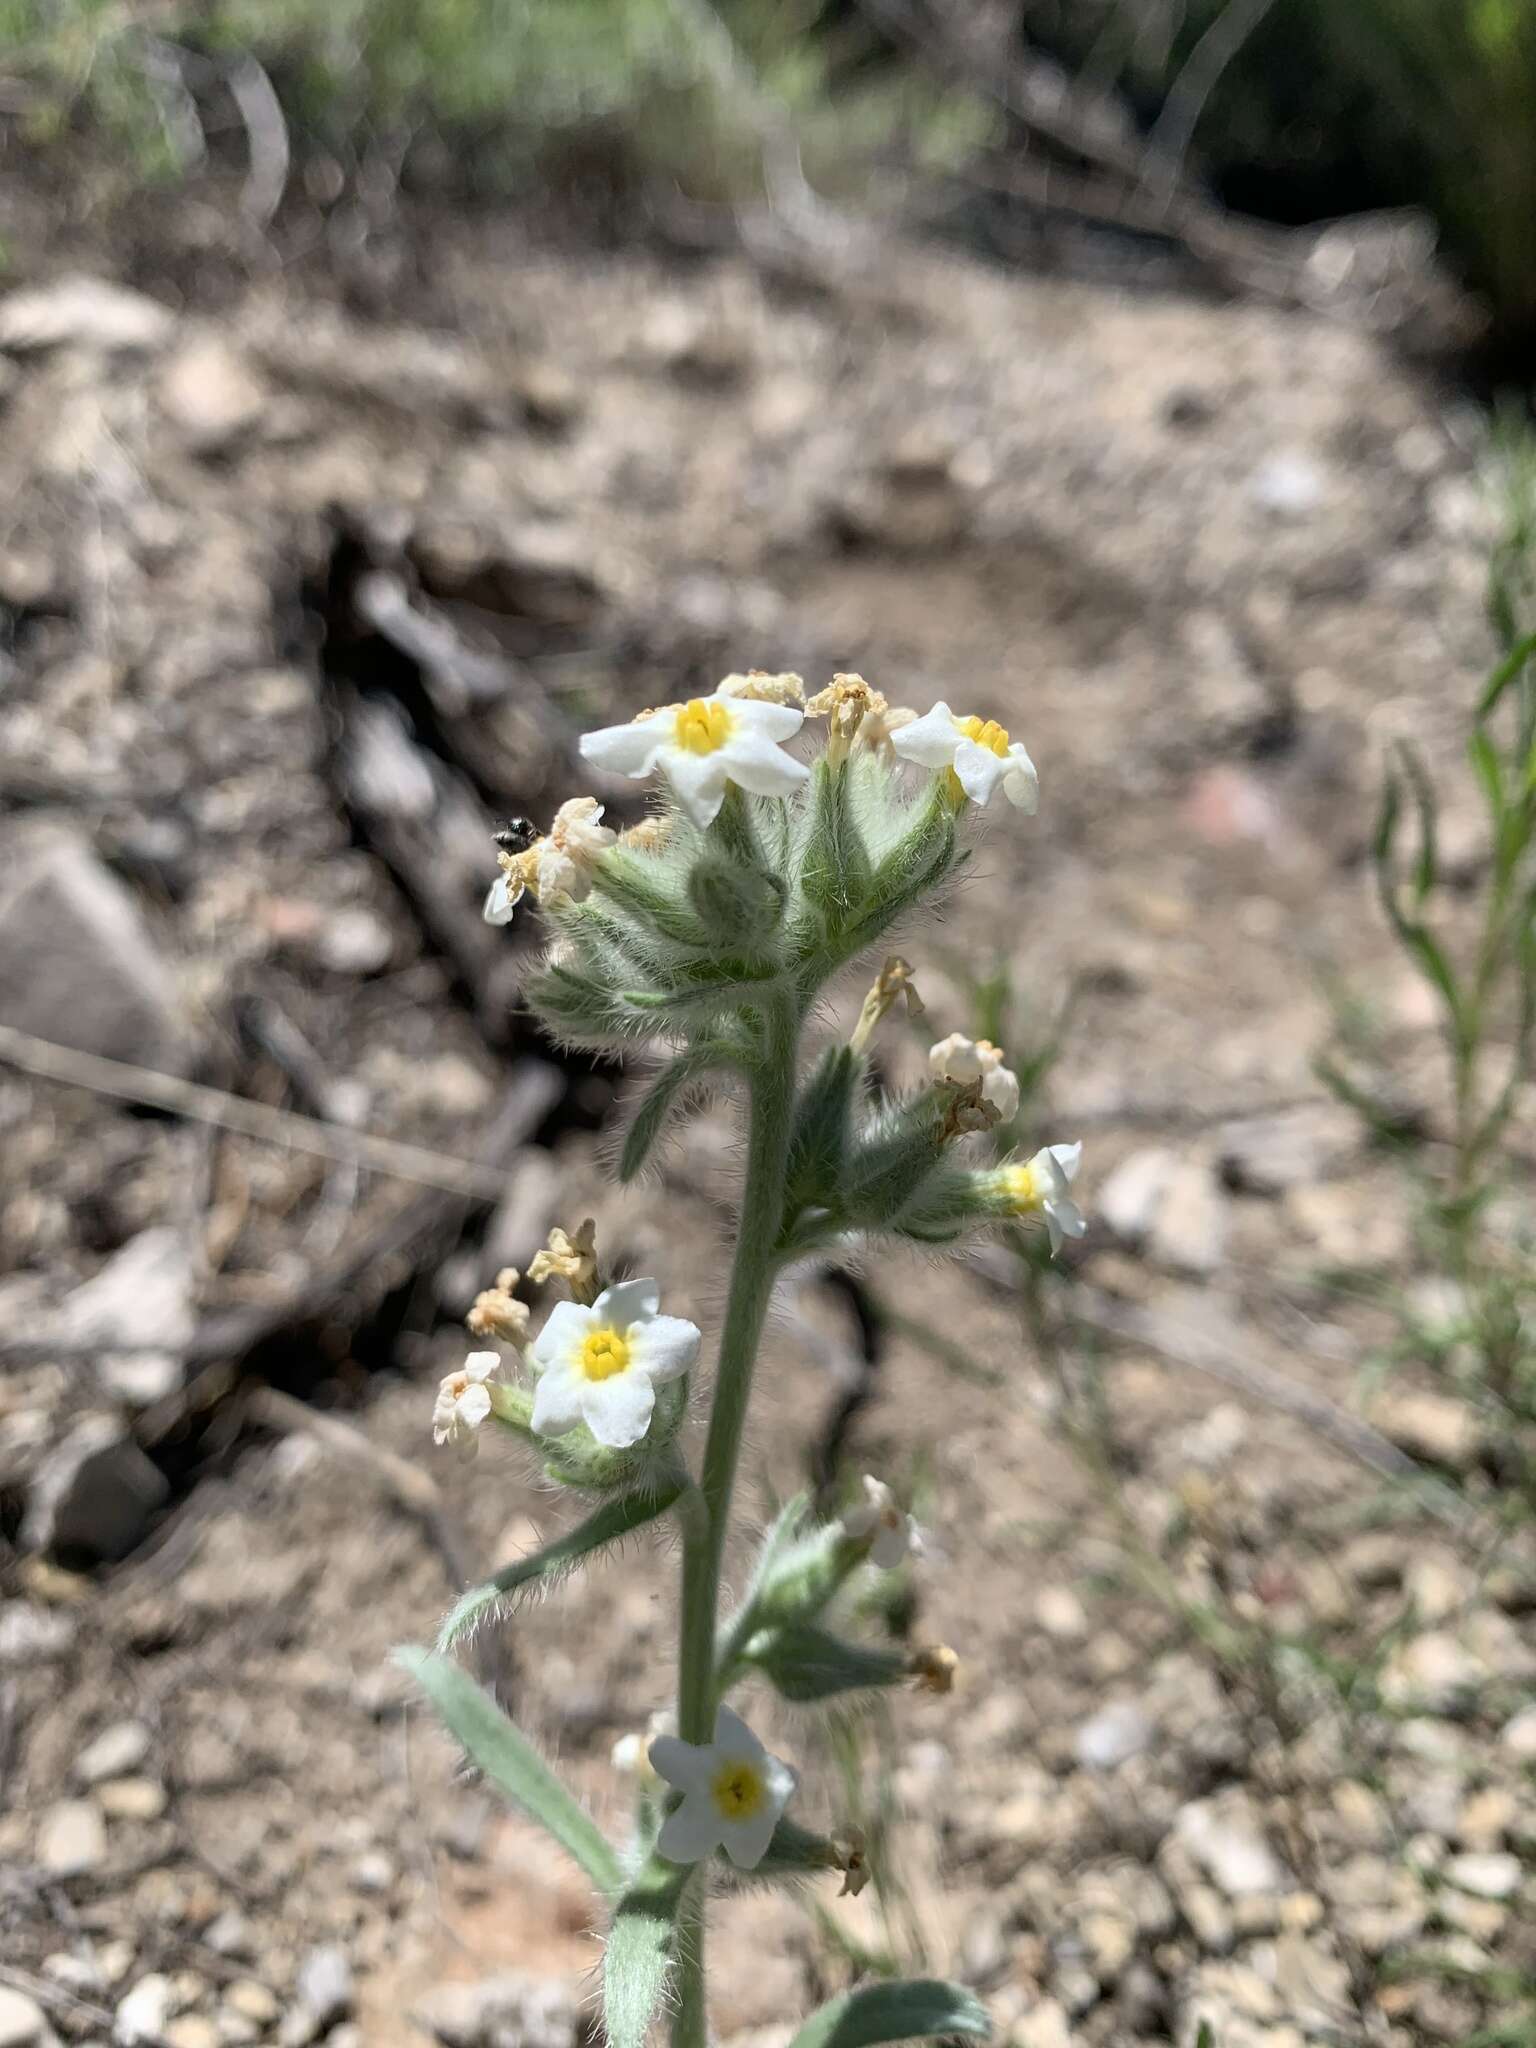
(739, 907)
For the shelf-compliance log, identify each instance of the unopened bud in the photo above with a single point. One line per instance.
(934, 1668)
(892, 984)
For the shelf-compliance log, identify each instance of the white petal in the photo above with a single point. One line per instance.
(562, 1337)
(930, 741)
(891, 1546)
(618, 1410)
(482, 1365)
(629, 1302)
(687, 1765)
(1049, 1174)
(746, 1841)
(758, 765)
(445, 1408)
(698, 782)
(733, 1738)
(1001, 1089)
(768, 721)
(557, 1402)
(558, 874)
(1021, 785)
(474, 1404)
(1063, 1219)
(1069, 1158)
(955, 1059)
(627, 749)
(692, 1831)
(499, 902)
(663, 1347)
(979, 770)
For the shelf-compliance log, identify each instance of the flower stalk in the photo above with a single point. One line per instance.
(713, 930)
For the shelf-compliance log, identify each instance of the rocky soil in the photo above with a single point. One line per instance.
(293, 603)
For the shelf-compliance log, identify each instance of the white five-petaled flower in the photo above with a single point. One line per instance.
(896, 1535)
(977, 752)
(601, 1364)
(464, 1402)
(1040, 1187)
(704, 744)
(733, 1793)
(964, 1060)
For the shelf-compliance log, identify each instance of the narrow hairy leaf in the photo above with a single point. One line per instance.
(507, 1757)
(613, 1520)
(654, 1108)
(642, 1943)
(908, 2010)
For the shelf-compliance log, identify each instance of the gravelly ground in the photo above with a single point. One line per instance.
(1205, 560)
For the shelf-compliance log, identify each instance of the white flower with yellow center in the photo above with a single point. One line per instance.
(1040, 1188)
(964, 1060)
(891, 1533)
(703, 745)
(464, 1402)
(601, 1364)
(733, 1794)
(976, 751)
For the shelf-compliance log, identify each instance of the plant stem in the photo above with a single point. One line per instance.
(704, 1529)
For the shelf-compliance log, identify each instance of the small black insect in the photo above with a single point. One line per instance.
(516, 835)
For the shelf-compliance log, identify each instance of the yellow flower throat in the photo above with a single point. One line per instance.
(603, 1354)
(986, 732)
(701, 726)
(737, 1791)
(1021, 1185)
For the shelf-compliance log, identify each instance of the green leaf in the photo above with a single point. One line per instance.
(655, 1106)
(1484, 756)
(614, 1520)
(509, 1760)
(807, 1663)
(907, 2010)
(819, 1143)
(1426, 867)
(641, 1950)
(1505, 674)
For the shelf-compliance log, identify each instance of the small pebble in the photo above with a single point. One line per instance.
(22, 2022)
(131, 1799)
(1491, 1875)
(116, 1752)
(252, 2001)
(72, 1839)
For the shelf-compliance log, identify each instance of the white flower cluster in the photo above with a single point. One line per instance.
(599, 1365)
(737, 735)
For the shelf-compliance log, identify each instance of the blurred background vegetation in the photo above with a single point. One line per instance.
(1290, 111)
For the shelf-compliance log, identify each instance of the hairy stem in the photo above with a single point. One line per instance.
(704, 1529)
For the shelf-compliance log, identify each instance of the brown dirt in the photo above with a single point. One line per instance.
(1204, 559)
